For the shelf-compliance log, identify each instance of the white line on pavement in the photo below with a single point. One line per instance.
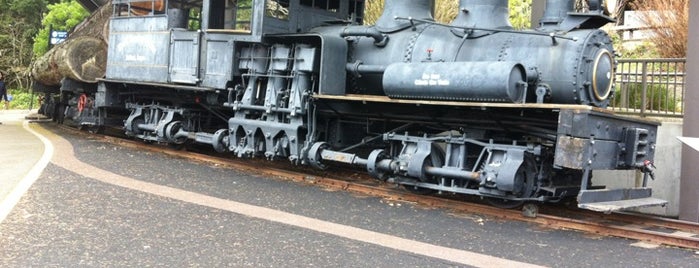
(13, 198)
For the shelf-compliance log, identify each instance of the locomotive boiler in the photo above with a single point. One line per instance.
(470, 107)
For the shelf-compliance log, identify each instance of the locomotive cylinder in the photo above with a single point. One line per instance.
(466, 81)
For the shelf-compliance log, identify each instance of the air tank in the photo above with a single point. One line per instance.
(482, 81)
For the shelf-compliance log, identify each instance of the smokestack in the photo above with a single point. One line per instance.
(483, 14)
(556, 11)
(416, 9)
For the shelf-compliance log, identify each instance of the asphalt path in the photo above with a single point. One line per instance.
(98, 204)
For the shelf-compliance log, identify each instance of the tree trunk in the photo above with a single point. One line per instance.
(81, 58)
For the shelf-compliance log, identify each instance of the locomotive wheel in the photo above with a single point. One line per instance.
(171, 130)
(60, 113)
(95, 129)
(504, 203)
(134, 125)
(435, 159)
(314, 157)
(220, 139)
(420, 190)
(527, 175)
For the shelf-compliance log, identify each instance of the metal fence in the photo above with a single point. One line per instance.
(650, 87)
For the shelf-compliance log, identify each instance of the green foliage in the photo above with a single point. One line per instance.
(243, 15)
(658, 97)
(62, 16)
(628, 50)
(194, 21)
(521, 13)
(25, 10)
(19, 23)
(21, 99)
(645, 50)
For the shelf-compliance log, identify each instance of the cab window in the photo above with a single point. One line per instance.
(234, 15)
(328, 5)
(138, 7)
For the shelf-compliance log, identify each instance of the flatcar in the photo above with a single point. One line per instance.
(470, 107)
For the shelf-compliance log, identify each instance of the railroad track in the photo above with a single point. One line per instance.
(650, 229)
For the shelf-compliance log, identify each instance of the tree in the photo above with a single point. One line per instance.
(669, 21)
(19, 22)
(619, 8)
(61, 16)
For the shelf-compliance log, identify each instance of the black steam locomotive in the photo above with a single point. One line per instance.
(473, 107)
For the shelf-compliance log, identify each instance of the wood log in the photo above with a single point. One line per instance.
(96, 25)
(81, 58)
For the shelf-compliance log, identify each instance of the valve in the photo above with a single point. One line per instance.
(648, 168)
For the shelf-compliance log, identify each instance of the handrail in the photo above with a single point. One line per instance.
(650, 87)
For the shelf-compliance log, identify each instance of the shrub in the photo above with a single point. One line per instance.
(658, 97)
(22, 99)
(669, 21)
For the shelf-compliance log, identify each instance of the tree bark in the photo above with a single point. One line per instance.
(81, 58)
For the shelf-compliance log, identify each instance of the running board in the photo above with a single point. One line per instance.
(608, 201)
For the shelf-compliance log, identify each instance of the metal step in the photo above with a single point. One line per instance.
(611, 206)
(609, 200)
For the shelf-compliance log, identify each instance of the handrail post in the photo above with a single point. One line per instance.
(644, 87)
(624, 90)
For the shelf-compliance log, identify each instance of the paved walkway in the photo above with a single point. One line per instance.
(22, 157)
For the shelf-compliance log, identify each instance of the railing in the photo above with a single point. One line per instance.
(650, 87)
